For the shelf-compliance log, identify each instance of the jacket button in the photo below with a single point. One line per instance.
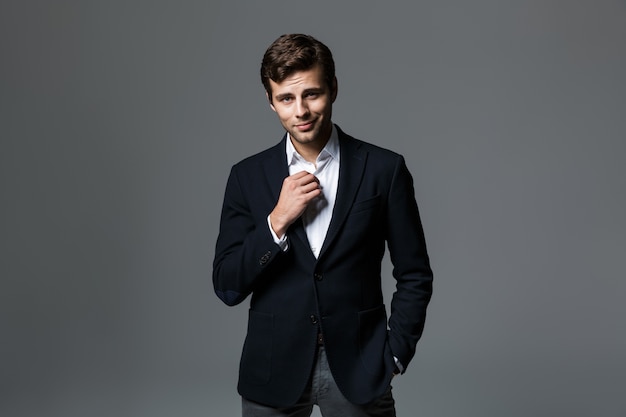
(318, 277)
(313, 319)
(266, 257)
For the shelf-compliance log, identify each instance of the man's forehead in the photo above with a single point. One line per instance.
(300, 80)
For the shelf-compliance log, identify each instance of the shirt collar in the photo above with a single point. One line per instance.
(330, 150)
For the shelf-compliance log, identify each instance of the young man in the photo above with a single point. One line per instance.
(303, 230)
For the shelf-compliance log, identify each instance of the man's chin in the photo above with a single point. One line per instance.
(306, 138)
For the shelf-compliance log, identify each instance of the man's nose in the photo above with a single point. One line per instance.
(302, 109)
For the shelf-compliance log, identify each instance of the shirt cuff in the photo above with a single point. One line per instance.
(282, 242)
(398, 365)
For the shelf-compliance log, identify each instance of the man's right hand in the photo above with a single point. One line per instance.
(297, 192)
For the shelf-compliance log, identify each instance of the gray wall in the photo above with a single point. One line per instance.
(119, 121)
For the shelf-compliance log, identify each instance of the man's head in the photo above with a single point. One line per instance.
(298, 73)
(292, 53)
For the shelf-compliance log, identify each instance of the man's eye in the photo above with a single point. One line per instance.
(312, 95)
(285, 99)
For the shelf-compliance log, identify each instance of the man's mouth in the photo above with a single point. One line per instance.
(305, 126)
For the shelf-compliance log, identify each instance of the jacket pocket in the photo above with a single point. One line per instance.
(256, 358)
(367, 204)
(373, 339)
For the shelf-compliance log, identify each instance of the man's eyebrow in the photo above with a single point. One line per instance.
(305, 91)
(283, 95)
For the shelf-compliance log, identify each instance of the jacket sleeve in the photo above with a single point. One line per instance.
(245, 247)
(411, 266)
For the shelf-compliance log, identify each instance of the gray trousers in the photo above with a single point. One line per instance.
(323, 392)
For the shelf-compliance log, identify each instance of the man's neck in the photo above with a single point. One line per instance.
(310, 151)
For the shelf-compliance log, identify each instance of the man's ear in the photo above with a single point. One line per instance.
(333, 91)
(270, 100)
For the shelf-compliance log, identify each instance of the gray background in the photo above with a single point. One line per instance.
(119, 121)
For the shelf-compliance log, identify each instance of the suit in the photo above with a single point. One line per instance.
(295, 295)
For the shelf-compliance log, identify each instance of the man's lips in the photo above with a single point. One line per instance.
(305, 126)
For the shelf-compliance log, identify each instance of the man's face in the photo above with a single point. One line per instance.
(303, 102)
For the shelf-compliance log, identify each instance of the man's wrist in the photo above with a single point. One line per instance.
(280, 241)
(277, 229)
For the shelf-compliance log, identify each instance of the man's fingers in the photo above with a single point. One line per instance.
(311, 186)
(301, 178)
(299, 175)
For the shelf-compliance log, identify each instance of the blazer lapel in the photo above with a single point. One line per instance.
(351, 171)
(275, 167)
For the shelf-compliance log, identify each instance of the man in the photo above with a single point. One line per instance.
(303, 229)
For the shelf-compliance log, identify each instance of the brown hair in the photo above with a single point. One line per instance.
(292, 53)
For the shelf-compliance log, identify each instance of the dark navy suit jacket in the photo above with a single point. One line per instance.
(295, 295)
